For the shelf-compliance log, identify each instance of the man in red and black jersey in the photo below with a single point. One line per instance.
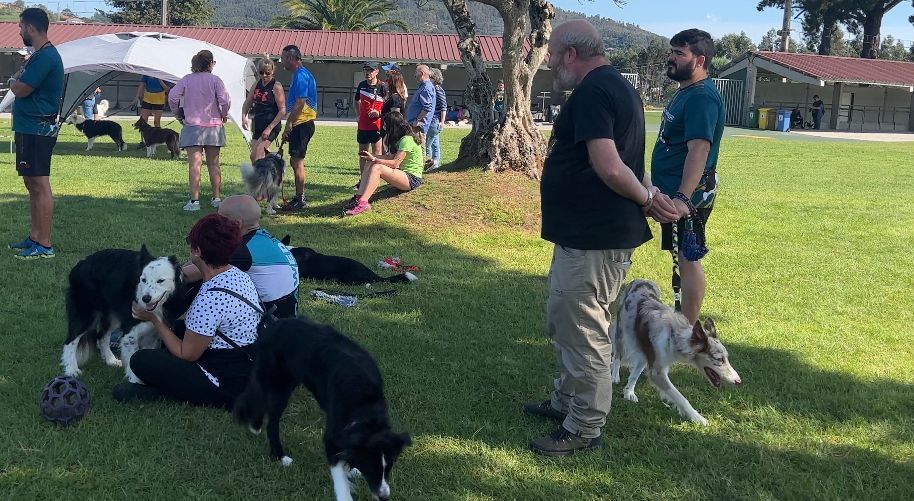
(370, 95)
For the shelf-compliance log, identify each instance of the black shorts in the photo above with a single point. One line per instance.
(154, 107)
(368, 136)
(299, 137)
(259, 128)
(286, 306)
(666, 229)
(414, 182)
(33, 154)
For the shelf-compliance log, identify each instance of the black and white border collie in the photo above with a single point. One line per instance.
(316, 266)
(103, 287)
(93, 129)
(263, 179)
(345, 381)
(154, 136)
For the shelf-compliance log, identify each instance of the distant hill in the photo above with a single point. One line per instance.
(432, 18)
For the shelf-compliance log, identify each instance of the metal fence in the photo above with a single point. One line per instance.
(731, 93)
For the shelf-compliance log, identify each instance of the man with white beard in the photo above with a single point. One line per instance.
(595, 195)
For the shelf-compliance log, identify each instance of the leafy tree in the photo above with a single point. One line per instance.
(822, 17)
(732, 45)
(772, 41)
(343, 15)
(180, 12)
(894, 50)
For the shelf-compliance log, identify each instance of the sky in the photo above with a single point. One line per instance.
(718, 17)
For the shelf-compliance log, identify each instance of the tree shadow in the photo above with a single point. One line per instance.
(461, 350)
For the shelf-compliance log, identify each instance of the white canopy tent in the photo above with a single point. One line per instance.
(91, 61)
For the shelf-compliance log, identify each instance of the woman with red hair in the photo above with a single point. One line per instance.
(205, 361)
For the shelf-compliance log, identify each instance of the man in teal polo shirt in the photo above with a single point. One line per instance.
(38, 88)
(684, 162)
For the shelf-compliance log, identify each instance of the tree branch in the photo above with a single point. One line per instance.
(541, 14)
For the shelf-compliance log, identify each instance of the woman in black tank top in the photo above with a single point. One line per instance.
(268, 103)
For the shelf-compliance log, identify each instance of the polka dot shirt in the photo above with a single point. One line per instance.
(215, 310)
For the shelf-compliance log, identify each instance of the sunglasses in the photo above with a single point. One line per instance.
(266, 72)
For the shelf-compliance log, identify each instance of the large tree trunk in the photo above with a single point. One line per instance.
(515, 143)
(829, 25)
(872, 26)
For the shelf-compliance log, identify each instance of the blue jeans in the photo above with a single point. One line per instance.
(433, 142)
(88, 106)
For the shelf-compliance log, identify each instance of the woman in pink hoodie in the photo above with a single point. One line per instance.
(205, 110)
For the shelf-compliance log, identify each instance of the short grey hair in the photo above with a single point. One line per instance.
(436, 76)
(423, 68)
(585, 44)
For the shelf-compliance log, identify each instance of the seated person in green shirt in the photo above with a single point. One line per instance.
(401, 168)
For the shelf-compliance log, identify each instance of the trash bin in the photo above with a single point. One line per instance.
(783, 122)
(753, 118)
(763, 118)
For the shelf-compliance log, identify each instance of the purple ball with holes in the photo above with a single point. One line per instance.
(64, 401)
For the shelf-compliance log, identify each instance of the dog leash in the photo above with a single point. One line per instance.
(676, 280)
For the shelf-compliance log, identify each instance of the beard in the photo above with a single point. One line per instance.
(563, 79)
(680, 73)
(26, 39)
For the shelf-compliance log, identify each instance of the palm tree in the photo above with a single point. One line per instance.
(342, 15)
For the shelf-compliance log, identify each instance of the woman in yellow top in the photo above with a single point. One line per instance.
(151, 95)
(401, 168)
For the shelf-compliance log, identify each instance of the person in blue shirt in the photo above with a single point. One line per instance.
(421, 107)
(301, 112)
(433, 141)
(38, 88)
(684, 161)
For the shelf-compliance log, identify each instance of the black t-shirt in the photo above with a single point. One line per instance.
(579, 210)
(394, 100)
(265, 108)
(817, 106)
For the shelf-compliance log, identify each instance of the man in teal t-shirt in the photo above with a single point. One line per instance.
(38, 88)
(684, 162)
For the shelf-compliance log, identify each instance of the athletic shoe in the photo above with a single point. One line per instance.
(192, 205)
(25, 243)
(36, 251)
(562, 442)
(215, 201)
(352, 202)
(296, 204)
(544, 409)
(355, 187)
(359, 208)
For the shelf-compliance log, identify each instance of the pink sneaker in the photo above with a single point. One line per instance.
(359, 208)
(352, 202)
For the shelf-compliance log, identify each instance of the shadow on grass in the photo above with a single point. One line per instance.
(461, 350)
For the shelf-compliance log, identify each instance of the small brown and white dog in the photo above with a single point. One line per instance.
(647, 333)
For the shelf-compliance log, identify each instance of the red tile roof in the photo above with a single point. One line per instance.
(845, 69)
(332, 45)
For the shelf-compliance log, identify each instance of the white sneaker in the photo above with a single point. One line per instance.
(215, 202)
(192, 205)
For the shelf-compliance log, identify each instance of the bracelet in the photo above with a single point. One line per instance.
(650, 198)
(686, 200)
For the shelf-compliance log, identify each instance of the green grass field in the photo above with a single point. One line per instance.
(810, 285)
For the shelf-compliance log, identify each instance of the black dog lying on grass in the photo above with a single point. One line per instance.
(317, 266)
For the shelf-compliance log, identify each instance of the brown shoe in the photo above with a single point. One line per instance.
(543, 409)
(562, 442)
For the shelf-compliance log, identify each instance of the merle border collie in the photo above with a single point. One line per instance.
(345, 380)
(94, 129)
(154, 136)
(103, 287)
(649, 334)
(316, 266)
(263, 179)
